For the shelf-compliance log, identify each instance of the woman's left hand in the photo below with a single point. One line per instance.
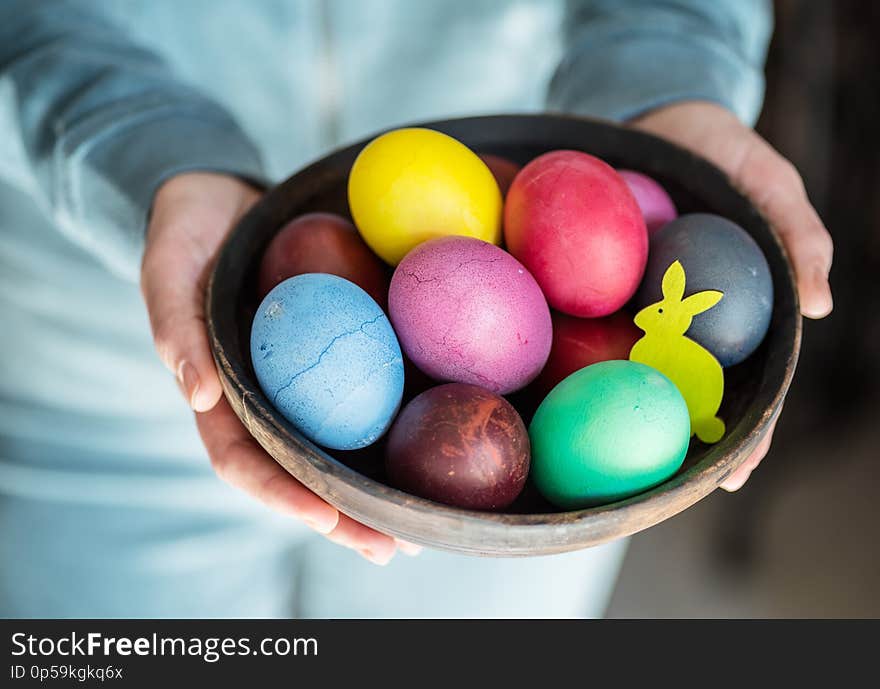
(775, 187)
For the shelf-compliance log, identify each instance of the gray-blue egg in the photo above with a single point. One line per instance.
(326, 356)
(716, 254)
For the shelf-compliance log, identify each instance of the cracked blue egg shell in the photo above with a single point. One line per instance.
(716, 254)
(327, 358)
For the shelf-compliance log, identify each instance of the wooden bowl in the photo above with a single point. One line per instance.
(352, 481)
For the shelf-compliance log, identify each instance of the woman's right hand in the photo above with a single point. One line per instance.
(192, 214)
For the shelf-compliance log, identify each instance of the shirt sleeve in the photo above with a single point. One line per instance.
(102, 122)
(625, 57)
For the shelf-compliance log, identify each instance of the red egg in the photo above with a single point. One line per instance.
(502, 169)
(461, 445)
(573, 222)
(580, 342)
(323, 243)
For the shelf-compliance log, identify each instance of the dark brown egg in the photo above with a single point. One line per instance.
(461, 445)
(323, 243)
(502, 169)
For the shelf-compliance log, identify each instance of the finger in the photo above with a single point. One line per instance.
(777, 189)
(764, 176)
(739, 477)
(372, 545)
(191, 216)
(241, 462)
(811, 254)
(174, 294)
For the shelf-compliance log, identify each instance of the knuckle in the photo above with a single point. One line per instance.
(221, 466)
(784, 184)
(161, 331)
(788, 175)
(177, 335)
(271, 486)
(226, 462)
(773, 177)
(826, 245)
(163, 339)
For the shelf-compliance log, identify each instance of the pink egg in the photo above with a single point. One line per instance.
(657, 208)
(469, 312)
(573, 222)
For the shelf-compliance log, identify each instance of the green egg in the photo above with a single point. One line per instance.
(607, 432)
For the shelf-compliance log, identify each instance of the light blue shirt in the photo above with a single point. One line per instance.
(102, 101)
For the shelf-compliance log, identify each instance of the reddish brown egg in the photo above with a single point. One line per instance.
(502, 169)
(323, 243)
(461, 445)
(580, 342)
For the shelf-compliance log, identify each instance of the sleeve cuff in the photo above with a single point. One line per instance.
(621, 75)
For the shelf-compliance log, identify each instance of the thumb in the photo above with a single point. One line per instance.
(192, 214)
(173, 286)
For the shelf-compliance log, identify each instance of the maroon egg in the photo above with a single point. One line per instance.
(323, 243)
(502, 169)
(461, 445)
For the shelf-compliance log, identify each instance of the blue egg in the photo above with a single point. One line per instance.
(326, 356)
(716, 254)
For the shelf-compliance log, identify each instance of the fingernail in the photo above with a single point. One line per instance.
(189, 379)
(408, 548)
(734, 483)
(824, 303)
(322, 526)
(339, 539)
(375, 559)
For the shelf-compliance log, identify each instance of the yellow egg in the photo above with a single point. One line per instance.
(411, 185)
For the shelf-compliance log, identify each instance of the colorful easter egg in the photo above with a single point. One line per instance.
(656, 205)
(717, 254)
(460, 445)
(468, 312)
(411, 185)
(607, 432)
(323, 243)
(580, 342)
(574, 223)
(326, 357)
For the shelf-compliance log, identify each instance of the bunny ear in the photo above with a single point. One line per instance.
(673, 282)
(702, 301)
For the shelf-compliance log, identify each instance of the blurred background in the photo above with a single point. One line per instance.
(802, 538)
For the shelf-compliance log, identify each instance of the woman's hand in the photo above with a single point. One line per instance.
(192, 214)
(775, 187)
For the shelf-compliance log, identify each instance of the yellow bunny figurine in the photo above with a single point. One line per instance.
(695, 372)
